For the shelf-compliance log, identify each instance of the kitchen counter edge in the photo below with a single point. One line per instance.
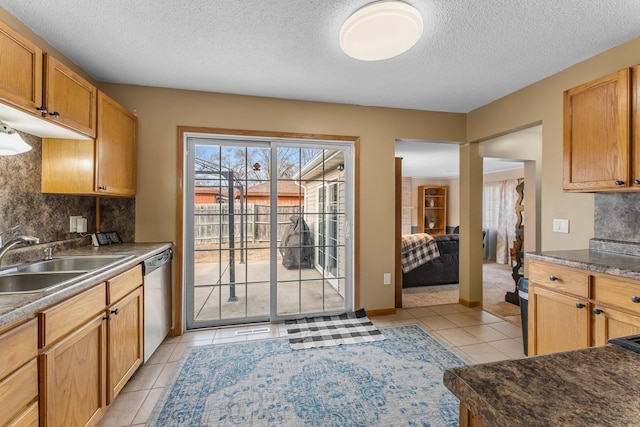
(599, 261)
(17, 307)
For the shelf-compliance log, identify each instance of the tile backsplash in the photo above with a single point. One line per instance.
(617, 222)
(46, 216)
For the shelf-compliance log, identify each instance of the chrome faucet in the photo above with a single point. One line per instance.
(29, 240)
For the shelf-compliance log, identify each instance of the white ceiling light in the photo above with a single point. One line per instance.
(11, 142)
(381, 30)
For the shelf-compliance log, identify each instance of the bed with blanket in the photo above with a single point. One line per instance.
(429, 260)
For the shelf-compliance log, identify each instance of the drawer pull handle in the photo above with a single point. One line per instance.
(619, 183)
(553, 278)
(580, 305)
(597, 311)
(635, 299)
(116, 311)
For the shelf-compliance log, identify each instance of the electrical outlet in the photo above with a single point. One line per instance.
(560, 225)
(386, 279)
(81, 225)
(73, 223)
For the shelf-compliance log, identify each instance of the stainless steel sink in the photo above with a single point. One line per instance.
(72, 263)
(38, 276)
(34, 282)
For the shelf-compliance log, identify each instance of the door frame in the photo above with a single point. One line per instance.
(179, 319)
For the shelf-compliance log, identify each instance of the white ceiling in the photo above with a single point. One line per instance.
(471, 52)
(435, 160)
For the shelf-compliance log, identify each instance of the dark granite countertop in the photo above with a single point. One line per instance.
(598, 386)
(19, 306)
(598, 261)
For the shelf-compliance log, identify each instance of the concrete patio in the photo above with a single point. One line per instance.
(298, 290)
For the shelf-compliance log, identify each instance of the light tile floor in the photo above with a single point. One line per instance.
(474, 334)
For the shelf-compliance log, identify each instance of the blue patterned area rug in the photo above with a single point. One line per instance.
(395, 382)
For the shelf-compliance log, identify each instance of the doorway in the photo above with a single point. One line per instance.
(267, 228)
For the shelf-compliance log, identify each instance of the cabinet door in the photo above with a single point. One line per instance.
(635, 120)
(20, 71)
(69, 99)
(125, 341)
(72, 382)
(116, 149)
(557, 322)
(596, 134)
(611, 323)
(68, 166)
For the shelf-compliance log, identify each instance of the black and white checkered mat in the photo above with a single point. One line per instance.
(324, 331)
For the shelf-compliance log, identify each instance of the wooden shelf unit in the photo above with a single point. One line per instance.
(432, 207)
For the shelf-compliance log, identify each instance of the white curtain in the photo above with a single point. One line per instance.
(499, 219)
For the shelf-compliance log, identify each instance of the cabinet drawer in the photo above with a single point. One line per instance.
(123, 284)
(18, 390)
(67, 316)
(29, 418)
(18, 346)
(564, 279)
(617, 292)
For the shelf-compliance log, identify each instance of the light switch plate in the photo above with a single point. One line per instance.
(386, 279)
(560, 225)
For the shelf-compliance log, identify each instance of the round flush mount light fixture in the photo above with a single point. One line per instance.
(381, 30)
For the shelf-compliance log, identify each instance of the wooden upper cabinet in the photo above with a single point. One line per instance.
(106, 166)
(635, 127)
(69, 99)
(597, 134)
(20, 71)
(116, 149)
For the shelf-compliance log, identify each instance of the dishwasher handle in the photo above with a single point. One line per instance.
(157, 261)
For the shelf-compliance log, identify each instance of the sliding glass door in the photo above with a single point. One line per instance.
(267, 232)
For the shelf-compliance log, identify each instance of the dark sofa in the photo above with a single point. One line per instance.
(439, 271)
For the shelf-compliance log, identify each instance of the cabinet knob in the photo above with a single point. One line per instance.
(116, 311)
(580, 305)
(107, 318)
(635, 299)
(102, 187)
(597, 311)
(618, 182)
(55, 114)
(42, 109)
(553, 278)
(636, 181)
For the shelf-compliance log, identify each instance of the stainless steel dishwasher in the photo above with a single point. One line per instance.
(157, 300)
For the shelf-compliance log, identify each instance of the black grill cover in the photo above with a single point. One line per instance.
(296, 245)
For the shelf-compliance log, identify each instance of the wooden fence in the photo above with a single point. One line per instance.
(211, 222)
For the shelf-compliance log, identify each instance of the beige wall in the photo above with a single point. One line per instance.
(542, 102)
(160, 111)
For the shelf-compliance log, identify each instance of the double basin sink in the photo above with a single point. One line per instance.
(44, 275)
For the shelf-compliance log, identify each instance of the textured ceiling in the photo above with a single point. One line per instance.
(471, 52)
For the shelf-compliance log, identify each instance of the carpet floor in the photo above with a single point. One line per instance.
(496, 281)
(393, 382)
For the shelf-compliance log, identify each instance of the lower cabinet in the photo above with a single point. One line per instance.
(561, 321)
(124, 331)
(571, 308)
(90, 348)
(612, 323)
(19, 375)
(73, 377)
